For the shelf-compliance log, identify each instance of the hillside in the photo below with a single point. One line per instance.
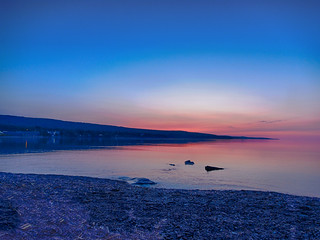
(46, 127)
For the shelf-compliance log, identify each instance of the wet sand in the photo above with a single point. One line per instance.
(63, 207)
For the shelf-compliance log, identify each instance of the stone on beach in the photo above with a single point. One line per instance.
(126, 179)
(137, 181)
(143, 181)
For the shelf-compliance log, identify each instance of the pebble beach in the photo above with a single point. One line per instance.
(68, 207)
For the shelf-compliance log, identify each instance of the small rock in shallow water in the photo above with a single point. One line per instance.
(137, 181)
(209, 168)
(124, 178)
(143, 181)
(188, 162)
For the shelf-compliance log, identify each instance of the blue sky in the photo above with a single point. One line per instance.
(214, 66)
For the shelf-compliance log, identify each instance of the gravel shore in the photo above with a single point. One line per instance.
(63, 207)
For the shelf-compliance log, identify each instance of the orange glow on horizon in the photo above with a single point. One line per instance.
(272, 128)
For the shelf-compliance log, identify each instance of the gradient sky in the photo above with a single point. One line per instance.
(228, 67)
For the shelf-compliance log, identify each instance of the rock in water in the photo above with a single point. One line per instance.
(144, 181)
(209, 168)
(127, 179)
(188, 162)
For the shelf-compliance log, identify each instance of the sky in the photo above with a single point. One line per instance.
(226, 67)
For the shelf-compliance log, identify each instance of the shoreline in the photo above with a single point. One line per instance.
(36, 206)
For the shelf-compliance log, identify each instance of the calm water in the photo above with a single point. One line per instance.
(269, 165)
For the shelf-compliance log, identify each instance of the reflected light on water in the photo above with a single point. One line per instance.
(269, 165)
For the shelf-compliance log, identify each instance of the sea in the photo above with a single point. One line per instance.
(290, 166)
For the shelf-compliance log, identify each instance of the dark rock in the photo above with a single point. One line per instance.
(188, 162)
(209, 168)
(171, 164)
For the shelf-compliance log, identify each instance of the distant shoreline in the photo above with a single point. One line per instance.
(27, 126)
(33, 144)
(48, 206)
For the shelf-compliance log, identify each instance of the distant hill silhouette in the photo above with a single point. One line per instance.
(47, 127)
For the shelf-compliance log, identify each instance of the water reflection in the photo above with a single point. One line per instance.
(9, 145)
(270, 165)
